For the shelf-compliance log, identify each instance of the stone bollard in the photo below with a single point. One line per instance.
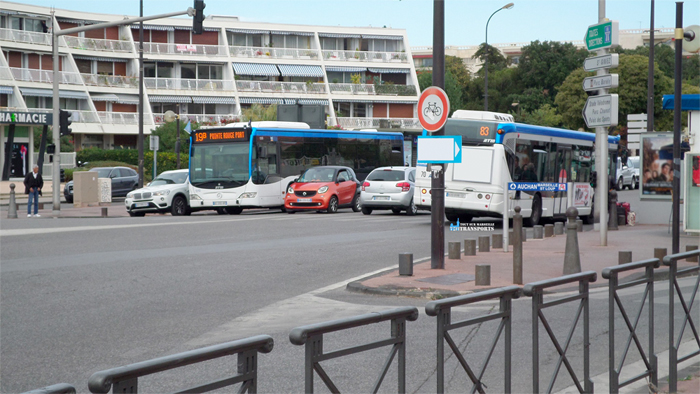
(453, 251)
(497, 241)
(537, 232)
(579, 225)
(548, 230)
(510, 238)
(659, 253)
(517, 247)
(12, 209)
(612, 211)
(484, 244)
(104, 212)
(524, 235)
(470, 247)
(690, 248)
(572, 259)
(406, 264)
(483, 275)
(559, 228)
(624, 257)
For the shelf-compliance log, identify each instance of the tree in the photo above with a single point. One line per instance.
(496, 59)
(545, 65)
(546, 115)
(167, 136)
(452, 88)
(571, 99)
(455, 66)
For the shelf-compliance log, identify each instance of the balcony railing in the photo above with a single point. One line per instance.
(5, 73)
(84, 116)
(114, 81)
(29, 37)
(97, 44)
(108, 117)
(371, 89)
(160, 48)
(213, 120)
(274, 53)
(46, 76)
(281, 87)
(380, 123)
(365, 56)
(188, 84)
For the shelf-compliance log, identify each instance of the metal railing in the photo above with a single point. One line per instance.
(366, 56)
(114, 81)
(611, 273)
(379, 123)
(371, 89)
(536, 291)
(60, 388)
(98, 44)
(109, 117)
(206, 119)
(5, 73)
(188, 84)
(674, 342)
(273, 53)
(29, 37)
(442, 309)
(125, 379)
(162, 48)
(281, 87)
(312, 337)
(45, 76)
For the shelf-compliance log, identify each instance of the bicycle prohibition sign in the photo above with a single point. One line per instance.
(433, 108)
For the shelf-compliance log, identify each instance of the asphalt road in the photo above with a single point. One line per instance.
(83, 295)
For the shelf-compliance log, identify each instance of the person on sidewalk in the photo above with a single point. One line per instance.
(33, 182)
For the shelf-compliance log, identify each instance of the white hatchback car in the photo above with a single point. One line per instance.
(169, 192)
(389, 188)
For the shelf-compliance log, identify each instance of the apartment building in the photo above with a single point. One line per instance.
(364, 76)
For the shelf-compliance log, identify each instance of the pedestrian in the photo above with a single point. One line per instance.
(32, 186)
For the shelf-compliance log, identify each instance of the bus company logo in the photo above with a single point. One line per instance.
(471, 226)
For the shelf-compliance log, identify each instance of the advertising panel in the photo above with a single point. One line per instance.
(691, 219)
(656, 174)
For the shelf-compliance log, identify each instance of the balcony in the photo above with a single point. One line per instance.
(27, 37)
(5, 73)
(126, 118)
(364, 56)
(112, 81)
(188, 84)
(281, 87)
(206, 119)
(380, 123)
(273, 53)
(160, 48)
(43, 76)
(96, 44)
(373, 90)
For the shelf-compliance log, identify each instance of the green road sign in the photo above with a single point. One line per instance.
(603, 35)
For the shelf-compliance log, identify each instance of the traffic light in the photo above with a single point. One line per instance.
(198, 17)
(594, 179)
(63, 175)
(64, 122)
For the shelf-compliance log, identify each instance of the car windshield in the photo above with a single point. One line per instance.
(102, 172)
(386, 175)
(169, 179)
(317, 175)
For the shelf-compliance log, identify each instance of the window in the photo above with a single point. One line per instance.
(343, 176)
(33, 25)
(245, 40)
(84, 66)
(105, 68)
(209, 71)
(188, 71)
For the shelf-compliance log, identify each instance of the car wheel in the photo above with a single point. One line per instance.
(620, 184)
(396, 211)
(332, 205)
(179, 206)
(589, 219)
(289, 211)
(366, 211)
(536, 214)
(221, 211)
(452, 217)
(633, 185)
(356, 204)
(234, 210)
(69, 200)
(137, 214)
(412, 209)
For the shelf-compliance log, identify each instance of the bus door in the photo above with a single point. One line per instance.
(563, 171)
(265, 172)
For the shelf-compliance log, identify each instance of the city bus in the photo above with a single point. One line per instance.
(242, 166)
(497, 151)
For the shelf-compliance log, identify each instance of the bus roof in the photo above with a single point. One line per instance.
(482, 115)
(324, 133)
(548, 131)
(267, 124)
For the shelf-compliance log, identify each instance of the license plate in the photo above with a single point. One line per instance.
(220, 202)
(141, 204)
(382, 198)
(455, 195)
(303, 200)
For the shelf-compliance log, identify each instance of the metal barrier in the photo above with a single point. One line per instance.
(611, 273)
(312, 337)
(536, 291)
(674, 343)
(125, 379)
(442, 309)
(61, 388)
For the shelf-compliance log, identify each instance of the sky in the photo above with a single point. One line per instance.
(465, 20)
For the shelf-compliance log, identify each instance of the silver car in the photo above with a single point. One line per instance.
(389, 188)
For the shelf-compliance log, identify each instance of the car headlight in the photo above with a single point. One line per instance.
(290, 190)
(323, 189)
(248, 195)
(195, 197)
(161, 193)
(130, 195)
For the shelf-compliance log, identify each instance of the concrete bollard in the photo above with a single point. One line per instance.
(624, 257)
(406, 264)
(517, 246)
(470, 247)
(510, 238)
(579, 225)
(659, 253)
(484, 244)
(453, 251)
(483, 275)
(497, 241)
(572, 258)
(690, 248)
(548, 230)
(524, 235)
(104, 212)
(12, 209)
(559, 228)
(537, 232)
(612, 211)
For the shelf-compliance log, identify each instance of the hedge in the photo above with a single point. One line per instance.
(166, 161)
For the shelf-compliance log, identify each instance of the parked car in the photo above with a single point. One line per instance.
(169, 192)
(627, 174)
(124, 180)
(324, 188)
(389, 188)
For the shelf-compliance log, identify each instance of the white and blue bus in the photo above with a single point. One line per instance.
(497, 151)
(240, 166)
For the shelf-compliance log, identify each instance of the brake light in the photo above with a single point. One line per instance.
(364, 185)
(405, 186)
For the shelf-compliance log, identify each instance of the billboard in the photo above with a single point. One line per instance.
(691, 197)
(656, 172)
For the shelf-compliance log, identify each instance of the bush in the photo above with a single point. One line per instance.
(166, 161)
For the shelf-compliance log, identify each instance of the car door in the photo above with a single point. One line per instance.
(346, 187)
(115, 177)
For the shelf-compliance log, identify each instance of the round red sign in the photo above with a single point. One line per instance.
(433, 108)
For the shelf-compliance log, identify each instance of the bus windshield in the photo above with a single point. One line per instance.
(219, 166)
(473, 132)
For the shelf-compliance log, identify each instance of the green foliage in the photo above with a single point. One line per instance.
(545, 65)
(452, 88)
(495, 58)
(258, 112)
(356, 78)
(167, 136)
(571, 99)
(455, 66)
(166, 161)
(546, 115)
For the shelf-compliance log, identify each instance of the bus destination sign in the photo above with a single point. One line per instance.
(205, 136)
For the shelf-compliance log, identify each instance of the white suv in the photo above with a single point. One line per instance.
(169, 192)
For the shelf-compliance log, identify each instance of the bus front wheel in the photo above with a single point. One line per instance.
(234, 210)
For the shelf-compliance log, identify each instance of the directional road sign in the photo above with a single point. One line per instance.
(433, 108)
(602, 35)
(537, 186)
(606, 61)
(440, 149)
(601, 111)
(601, 82)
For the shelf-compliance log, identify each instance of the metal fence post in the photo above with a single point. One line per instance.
(517, 247)
(12, 209)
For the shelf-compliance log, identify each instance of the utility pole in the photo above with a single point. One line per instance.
(437, 180)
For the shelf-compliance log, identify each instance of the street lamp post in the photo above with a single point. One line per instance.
(486, 57)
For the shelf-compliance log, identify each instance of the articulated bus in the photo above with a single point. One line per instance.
(251, 166)
(496, 151)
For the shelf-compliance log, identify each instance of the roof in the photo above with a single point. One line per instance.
(689, 102)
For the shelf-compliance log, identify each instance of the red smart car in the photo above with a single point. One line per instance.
(324, 188)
